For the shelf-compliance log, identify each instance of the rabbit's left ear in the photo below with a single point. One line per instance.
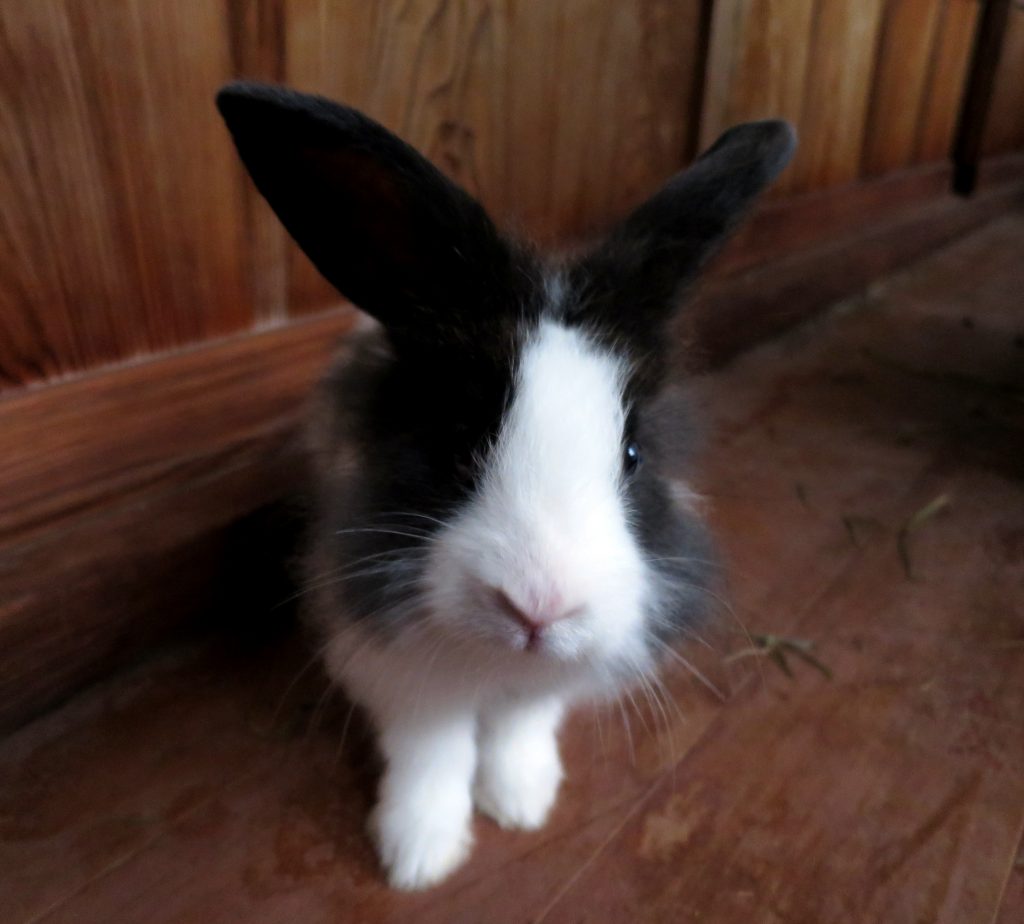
(380, 222)
(632, 281)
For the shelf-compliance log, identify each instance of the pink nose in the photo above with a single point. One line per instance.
(533, 619)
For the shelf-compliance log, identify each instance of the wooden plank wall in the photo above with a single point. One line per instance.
(136, 259)
(1004, 127)
(121, 203)
(128, 227)
(872, 85)
(557, 115)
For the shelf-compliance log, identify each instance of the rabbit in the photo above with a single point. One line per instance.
(495, 534)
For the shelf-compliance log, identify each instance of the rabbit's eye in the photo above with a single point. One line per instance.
(631, 457)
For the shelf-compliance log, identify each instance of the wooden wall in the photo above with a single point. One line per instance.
(128, 225)
(873, 86)
(121, 203)
(1004, 127)
(158, 330)
(556, 115)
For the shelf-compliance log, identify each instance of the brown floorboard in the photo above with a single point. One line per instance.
(206, 786)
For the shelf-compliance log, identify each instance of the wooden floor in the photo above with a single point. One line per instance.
(866, 474)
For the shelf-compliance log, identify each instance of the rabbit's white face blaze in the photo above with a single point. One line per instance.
(542, 559)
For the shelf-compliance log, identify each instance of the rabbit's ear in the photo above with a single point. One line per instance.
(632, 281)
(383, 225)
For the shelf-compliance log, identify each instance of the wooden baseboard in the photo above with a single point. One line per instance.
(799, 257)
(784, 227)
(121, 492)
(1001, 171)
(118, 491)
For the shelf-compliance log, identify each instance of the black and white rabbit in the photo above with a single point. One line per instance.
(495, 535)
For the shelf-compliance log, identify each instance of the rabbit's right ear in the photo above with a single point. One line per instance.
(631, 283)
(382, 224)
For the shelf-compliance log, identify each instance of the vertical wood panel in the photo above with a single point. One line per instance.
(810, 61)
(120, 214)
(834, 118)
(951, 58)
(1004, 128)
(899, 83)
(258, 36)
(557, 115)
(128, 227)
(757, 66)
(872, 85)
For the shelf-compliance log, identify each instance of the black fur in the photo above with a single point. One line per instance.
(629, 287)
(406, 419)
(381, 223)
(418, 430)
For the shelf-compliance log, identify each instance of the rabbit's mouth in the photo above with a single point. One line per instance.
(533, 618)
(518, 633)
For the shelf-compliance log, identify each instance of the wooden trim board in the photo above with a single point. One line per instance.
(808, 262)
(116, 490)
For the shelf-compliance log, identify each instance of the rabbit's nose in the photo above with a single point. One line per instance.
(534, 617)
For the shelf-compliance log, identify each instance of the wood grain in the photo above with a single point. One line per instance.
(120, 220)
(951, 59)
(557, 115)
(757, 68)
(790, 225)
(1012, 906)
(258, 36)
(128, 227)
(838, 91)
(116, 491)
(1004, 127)
(986, 62)
(899, 83)
(810, 62)
(735, 311)
(884, 795)
(872, 87)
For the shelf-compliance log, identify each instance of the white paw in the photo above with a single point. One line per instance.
(518, 791)
(419, 845)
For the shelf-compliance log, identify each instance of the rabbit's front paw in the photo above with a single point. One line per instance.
(420, 841)
(517, 786)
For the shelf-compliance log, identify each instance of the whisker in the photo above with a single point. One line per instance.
(313, 660)
(686, 560)
(340, 749)
(657, 712)
(721, 602)
(410, 513)
(401, 561)
(316, 715)
(691, 668)
(629, 731)
(404, 533)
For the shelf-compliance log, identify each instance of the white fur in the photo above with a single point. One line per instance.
(422, 820)
(519, 768)
(464, 711)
